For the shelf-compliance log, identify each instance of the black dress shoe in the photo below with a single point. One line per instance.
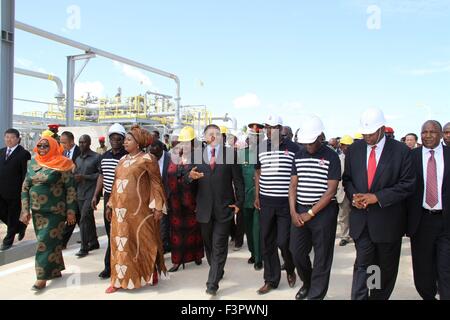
(291, 278)
(176, 267)
(251, 260)
(198, 262)
(283, 267)
(302, 293)
(82, 254)
(94, 246)
(5, 247)
(211, 291)
(105, 274)
(22, 233)
(343, 243)
(258, 266)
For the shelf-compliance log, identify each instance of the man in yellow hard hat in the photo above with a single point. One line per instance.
(344, 204)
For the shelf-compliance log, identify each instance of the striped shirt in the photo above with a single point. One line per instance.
(108, 164)
(313, 172)
(276, 167)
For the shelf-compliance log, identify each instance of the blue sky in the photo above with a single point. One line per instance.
(255, 57)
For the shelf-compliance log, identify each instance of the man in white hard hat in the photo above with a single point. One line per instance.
(316, 173)
(378, 178)
(272, 178)
(108, 164)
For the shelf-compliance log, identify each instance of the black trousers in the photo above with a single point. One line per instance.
(238, 230)
(275, 233)
(165, 232)
(386, 256)
(106, 197)
(430, 248)
(10, 214)
(88, 230)
(215, 237)
(320, 234)
(68, 230)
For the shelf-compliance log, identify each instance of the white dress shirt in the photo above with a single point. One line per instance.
(11, 150)
(71, 152)
(439, 156)
(209, 152)
(161, 163)
(378, 151)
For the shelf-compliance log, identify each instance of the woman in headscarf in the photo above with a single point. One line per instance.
(49, 198)
(186, 238)
(137, 255)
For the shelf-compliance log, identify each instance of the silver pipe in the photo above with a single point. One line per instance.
(45, 76)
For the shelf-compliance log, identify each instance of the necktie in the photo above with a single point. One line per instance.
(68, 154)
(432, 188)
(212, 162)
(8, 153)
(372, 167)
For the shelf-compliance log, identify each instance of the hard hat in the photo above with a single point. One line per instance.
(273, 121)
(101, 139)
(223, 130)
(358, 136)
(47, 133)
(311, 128)
(347, 140)
(54, 126)
(187, 134)
(389, 130)
(117, 129)
(371, 120)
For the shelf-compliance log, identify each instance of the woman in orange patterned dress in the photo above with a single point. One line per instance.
(136, 247)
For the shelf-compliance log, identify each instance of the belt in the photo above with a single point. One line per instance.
(432, 212)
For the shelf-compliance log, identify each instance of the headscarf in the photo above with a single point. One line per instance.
(141, 136)
(54, 159)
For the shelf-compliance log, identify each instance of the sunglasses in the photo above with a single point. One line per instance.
(43, 146)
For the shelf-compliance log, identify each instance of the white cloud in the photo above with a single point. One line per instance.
(95, 89)
(249, 100)
(134, 74)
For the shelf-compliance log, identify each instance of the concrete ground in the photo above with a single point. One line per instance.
(241, 281)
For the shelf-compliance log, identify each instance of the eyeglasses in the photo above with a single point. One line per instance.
(43, 146)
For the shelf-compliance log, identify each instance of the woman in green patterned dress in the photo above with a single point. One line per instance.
(49, 197)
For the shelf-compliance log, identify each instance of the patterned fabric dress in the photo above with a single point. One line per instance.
(186, 239)
(136, 246)
(50, 195)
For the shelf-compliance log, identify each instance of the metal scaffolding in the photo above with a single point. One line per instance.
(91, 50)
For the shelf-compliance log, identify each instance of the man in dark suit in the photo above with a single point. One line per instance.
(220, 197)
(157, 149)
(429, 215)
(71, 151)
(13, 167)
(378, 178)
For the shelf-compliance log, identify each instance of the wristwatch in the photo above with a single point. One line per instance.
(311, 213)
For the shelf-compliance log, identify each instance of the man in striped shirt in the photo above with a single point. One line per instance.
(108, 164)
(316, 173)
(272, 177)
